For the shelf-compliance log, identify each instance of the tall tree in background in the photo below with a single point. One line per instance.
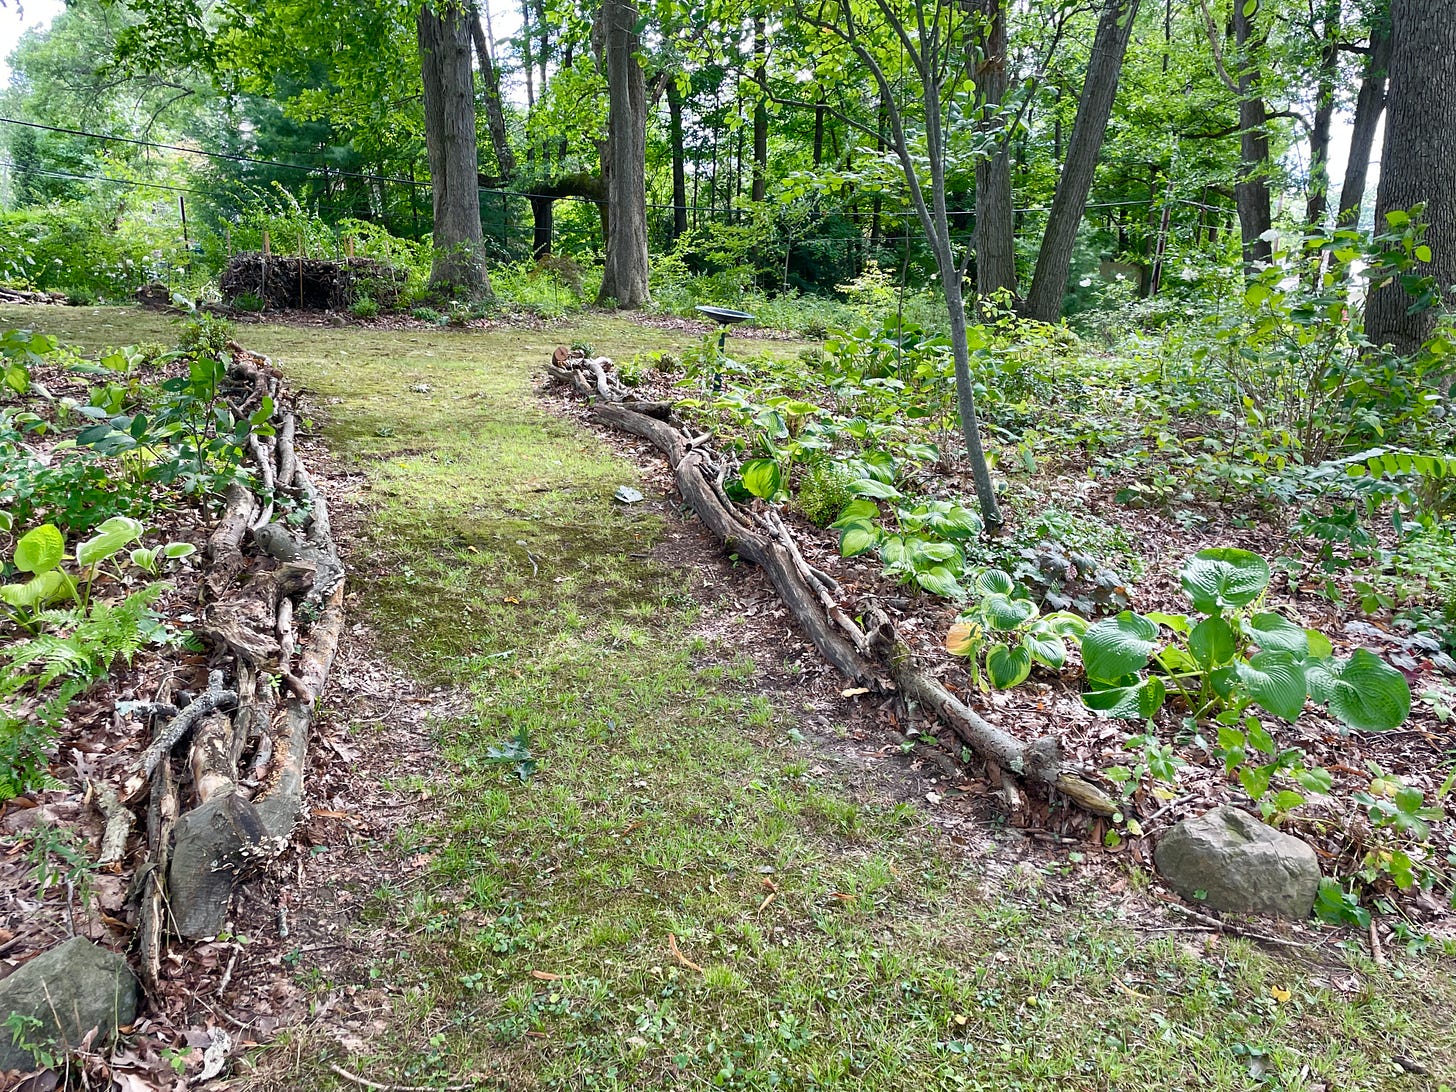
(450, 138)
(995, 218)
(1369, 106)
(495, 116)
(1415, 165)
(1099, 90)
(625, 269)
(1251, 191)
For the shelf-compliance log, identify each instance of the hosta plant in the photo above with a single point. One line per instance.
(1005, 632)
(923, 546)
(1230, 655)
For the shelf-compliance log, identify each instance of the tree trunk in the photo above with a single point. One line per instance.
(819, 133)
(760, 112)
(1369, 106)
(679, 170)
(1251, 192)
(543, 217)
(995, 222)
(1318, 198)
(1415, 165)
(449, 86)
(1099, 89)
(625, 271)
(526, 57)
(494, 113)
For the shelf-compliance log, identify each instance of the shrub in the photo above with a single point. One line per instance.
(364, 308)
(824, 492)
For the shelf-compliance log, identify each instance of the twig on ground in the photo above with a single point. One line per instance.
(1218, 925)
(365, 1082)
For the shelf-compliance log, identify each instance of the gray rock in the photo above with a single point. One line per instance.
(74, 987)
(1239, 864)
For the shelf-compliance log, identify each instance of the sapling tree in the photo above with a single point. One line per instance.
(936, 43)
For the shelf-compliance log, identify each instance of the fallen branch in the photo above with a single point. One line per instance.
(365, 1082)
(879, 659)
(212, 699)
(119, 821)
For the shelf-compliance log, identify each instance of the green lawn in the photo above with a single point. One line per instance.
(671, 799)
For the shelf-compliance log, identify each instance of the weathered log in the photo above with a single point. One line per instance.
(287, 458)
(213, 766)
(215, 842)
(151, 912)
(119, 821)
(224, 546)
(215, 697)
(280, 801)
(244, 623)
(863, 658)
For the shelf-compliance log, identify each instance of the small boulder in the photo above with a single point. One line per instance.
(1239, 864)
(74, 987)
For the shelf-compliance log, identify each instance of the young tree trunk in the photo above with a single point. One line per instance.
(1099, 89)
(449, 86)
(1251, 192)
(1369, 106)
(495, 116)
(526, 56)
(995, 221)
(819, 132)
(679, 170)
(760, 112)
(1415, 165)
(625, 271)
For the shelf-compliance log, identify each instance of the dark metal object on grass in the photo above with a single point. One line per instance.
(724, 317)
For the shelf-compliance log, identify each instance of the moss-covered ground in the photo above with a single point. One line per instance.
(608, 922)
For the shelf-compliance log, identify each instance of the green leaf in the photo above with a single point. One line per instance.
(49, 585)
(111, 537)
(1178, 623)
(1212, 642)
(1224, 577)
(856, 511)
(1319, 645)
(1363, 692)
(995, 582)
(1259, 737)
(1137, 701)
(1276, 681)
(868, 487)
(761, 477)
(1275, 633)
(1007, 667)
(1066, 624)
(940, 581)
(856, 538)
(1046, 647)
(1287, 799)
(1255, 780)
(1116, 647)
(174, 551)
(1007, 614)
(40, 550)
(1315, 780)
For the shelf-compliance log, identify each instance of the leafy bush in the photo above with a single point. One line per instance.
(824, 492)
(364, 308)
(1006, 630)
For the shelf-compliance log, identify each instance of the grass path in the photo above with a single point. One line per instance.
(608, 923)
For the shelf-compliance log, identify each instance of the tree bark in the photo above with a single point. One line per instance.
(625, 271)
(1251, 192)
(1369, 106)
(1317, 201)
(995, 222)
(679, 170)
(495, 116)
(1415, 165)
(449, 86)
(1099, 90)
(760, 112)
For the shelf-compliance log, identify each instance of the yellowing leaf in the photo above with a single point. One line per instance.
(1280, 995)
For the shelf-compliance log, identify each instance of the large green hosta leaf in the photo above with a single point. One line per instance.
(1362, 692)
(1223, 577)
(1007, 666)
(1276, 681)
(1116, 647)
(1138, 700)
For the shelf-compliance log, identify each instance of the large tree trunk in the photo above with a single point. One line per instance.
(625, 271)
(1099, 90)
(679, 170)
(494, 113)
(1251, 192)
(1369, 106)
(1415, 166)
(444, 41)
(995, 222)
